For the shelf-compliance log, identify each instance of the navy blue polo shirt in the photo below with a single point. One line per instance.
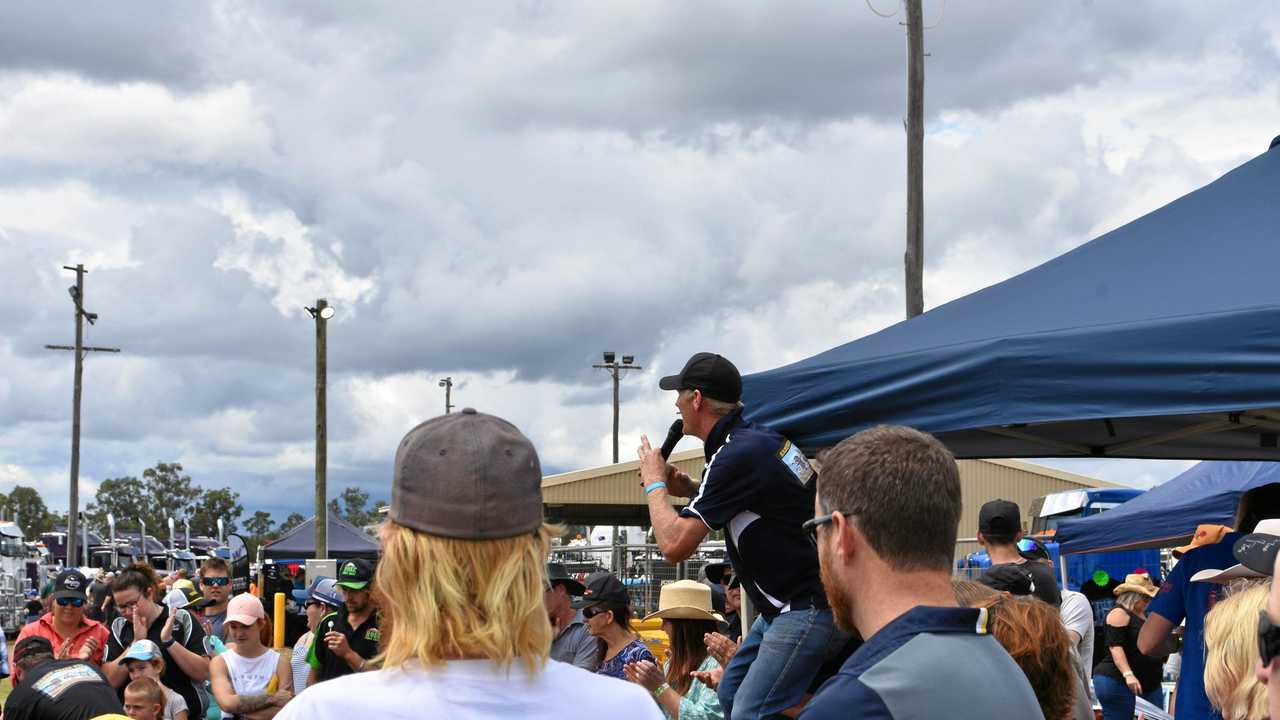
(759, 488)
(930, 662)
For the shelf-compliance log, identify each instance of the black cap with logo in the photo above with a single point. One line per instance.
(69, 584)
(603, 589)
(714, 375)
(355, 574)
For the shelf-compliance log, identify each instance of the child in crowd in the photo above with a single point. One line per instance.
(144, 661)
(144, 699)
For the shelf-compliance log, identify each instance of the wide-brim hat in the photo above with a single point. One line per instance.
(685, 600)
(1140, 583)
(717, 571)
(557, 574)
(1205, 535)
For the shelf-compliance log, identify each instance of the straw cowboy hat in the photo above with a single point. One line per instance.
(1205, 535)
(1137, 582)
(685, 600)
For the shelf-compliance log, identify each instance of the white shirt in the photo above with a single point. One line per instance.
(473, 689)
(1077, 616)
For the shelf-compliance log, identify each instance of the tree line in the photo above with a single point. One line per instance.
(165, 491)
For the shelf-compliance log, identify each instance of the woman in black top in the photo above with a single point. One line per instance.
(1125, 672)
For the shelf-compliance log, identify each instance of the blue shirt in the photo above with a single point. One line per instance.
(1180, 599)
(930, 662)
(635, 651)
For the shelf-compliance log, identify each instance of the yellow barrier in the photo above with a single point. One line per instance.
(277, 627)
(651, 633)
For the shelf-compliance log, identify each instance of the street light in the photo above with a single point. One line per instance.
(447, 384)
(321, 313)
(615, 369)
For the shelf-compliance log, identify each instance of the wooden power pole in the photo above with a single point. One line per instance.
(914, 258)
(73, 509)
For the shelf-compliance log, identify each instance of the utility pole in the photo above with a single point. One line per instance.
(914, 258)
(321, 313)
(77, 297)
(615, 369)
(447, 384)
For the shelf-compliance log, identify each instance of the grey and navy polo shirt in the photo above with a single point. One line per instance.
(759, 488)
(930, 662)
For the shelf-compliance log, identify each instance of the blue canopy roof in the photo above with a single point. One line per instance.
(1168, 514)
(1160, 339)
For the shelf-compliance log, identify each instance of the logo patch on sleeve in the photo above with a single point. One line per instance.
(796, 462)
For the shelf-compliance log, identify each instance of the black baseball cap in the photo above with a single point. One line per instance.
(69, 584)
(1257, 550)
(1012, 579)
(354, 574)
(603, 589)
(717, 572)
(1000, 518)
(713, 374)
(32, 644)
(557, 574)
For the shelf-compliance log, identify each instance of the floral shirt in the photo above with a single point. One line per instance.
(700, 702)
(635, 651)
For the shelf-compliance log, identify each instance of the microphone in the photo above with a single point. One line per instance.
(673, 436)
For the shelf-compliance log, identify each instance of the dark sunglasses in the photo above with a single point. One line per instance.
(70, 601)
(215, 581)
(1268, 639)
(594, 611)
(309, 603)
(810, 527)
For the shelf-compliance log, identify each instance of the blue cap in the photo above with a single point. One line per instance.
(144, 650)
(323, 589)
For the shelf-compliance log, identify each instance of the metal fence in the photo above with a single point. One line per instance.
(640, 567)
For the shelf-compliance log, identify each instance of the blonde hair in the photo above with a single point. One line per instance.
(1231, 651)
(1130, 599)
(448, 599)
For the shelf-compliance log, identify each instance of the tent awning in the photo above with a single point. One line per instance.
(344, 540)
(1160, 339)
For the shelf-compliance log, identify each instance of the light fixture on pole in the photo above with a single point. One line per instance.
(615, 369)
(447, 384)
(321, 313)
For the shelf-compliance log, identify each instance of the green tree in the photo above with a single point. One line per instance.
(354, 501)
(291, 522)
(169, 494)
(333, 507)
(213, 504)
(259, 525)
(124, 498)
(29, 511)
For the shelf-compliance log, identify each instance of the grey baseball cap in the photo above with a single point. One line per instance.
(467, 475)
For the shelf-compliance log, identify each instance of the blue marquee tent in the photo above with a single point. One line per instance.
(1169, 513)
(1160, 339)
(344, 540)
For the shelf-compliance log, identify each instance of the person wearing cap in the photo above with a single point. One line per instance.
(177, 632)
(54, 689)
(464, 549)
(1181, 601)
(348, 637)
(318, 602)
(71, 633)
(923, 656)
(250, 679)
(684, 607)
(607, 608)
(1077, 617)
(999, 530)
(1260, 552)
(144, 660)
(758, 487)
(215, 584)
(1126, 673)
(572, 641)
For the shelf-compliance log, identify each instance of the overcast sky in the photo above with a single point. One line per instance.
(499, 191)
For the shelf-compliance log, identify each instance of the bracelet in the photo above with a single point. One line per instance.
(169, 642)
(661, 689)
(655, 486)
(1129, 675)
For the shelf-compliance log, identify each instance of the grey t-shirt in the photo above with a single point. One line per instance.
(576, 646)
(214, 623)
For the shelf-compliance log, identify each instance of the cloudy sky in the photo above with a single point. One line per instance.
(499, 191)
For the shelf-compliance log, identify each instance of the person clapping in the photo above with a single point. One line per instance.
(685, 609)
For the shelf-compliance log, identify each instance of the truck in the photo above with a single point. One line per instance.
(13, 578)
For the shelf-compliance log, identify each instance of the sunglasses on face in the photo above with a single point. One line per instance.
(1268, 639)
(594, 611)
(312, 603)
(215, 581)
(70, 601)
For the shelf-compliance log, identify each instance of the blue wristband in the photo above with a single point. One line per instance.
(655, 486)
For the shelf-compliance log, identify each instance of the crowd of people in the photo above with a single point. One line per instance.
(848, 560)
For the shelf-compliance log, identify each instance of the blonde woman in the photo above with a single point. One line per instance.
(1125, 673)
(1231, 655)
(463, 575)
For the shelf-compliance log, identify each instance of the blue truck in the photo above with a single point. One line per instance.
(1048, 511)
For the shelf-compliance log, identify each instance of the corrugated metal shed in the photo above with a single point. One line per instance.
(610, 494)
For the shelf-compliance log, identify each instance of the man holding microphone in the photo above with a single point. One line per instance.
(759, 488)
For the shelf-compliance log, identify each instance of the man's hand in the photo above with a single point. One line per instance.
(337, 643)
(655, 468)
(721, 647)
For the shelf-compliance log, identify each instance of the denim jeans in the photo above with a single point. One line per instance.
(776, 662)
(1117, 700)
